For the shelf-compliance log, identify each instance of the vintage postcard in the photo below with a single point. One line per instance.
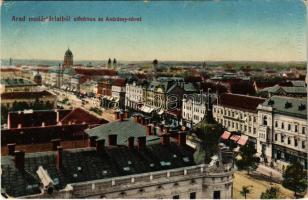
(154, 99)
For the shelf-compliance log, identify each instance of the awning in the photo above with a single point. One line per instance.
(225, 135)
(235, 138)
(243, 139)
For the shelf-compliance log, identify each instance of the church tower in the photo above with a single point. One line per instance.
(68, 59)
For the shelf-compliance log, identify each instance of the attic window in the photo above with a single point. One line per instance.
(186, 159)
(302, 107)
(105, 172)
(288, 105)
(271, 102)
(126, 168)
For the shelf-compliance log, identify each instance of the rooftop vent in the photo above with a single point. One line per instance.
(288, 105)
(301, 107)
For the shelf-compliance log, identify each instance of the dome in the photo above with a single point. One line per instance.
(38, 78)
(68, 53)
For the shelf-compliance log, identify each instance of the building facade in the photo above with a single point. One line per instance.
(283, 130)
(133, 95)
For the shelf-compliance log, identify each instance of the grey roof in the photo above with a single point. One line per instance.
(85, 164)
(289, 90)
(124, 130)
(288, 105)
(16, 82)
(298, 83)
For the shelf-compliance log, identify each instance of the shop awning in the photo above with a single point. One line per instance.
(243, 139)
(235, 138)
(225, 135)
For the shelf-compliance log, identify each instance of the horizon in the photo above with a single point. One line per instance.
(210, 31)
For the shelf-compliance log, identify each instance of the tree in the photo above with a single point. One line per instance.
(295, 178)
(248, 159)
(245, 190)
(270, 193)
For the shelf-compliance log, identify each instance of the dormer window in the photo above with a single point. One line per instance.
(288, 105)
(301, 107)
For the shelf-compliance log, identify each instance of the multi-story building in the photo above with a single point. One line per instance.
(118, 92)
(17, 85)
(283, 130)
(194, 108)
(239, 113)
(133, 95)
(138, 169)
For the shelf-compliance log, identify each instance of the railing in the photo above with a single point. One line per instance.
(152, 177)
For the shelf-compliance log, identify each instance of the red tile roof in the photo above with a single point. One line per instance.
(9, 69)
(25, 95)
(80, 116)
(241, 102)
(119, 82)
(35, 118)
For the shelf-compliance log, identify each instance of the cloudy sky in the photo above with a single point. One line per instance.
(254, 30)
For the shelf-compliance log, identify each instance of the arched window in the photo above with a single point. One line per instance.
(265, 120)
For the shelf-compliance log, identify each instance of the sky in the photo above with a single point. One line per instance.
(229, 30)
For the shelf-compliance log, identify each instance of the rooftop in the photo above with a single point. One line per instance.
(124, 129)
(288, 105)
(86, 164)
(79, 116)
(26, 95)
(17, 82)
(240, 102)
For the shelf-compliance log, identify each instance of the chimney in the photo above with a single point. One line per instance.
(181, 140)
(55, 144)
(122, 117)
(136, 119)
(165, 140)
(117, 115)
(141, 143)
(59, 157)
(131, 143)
(92, 141)
(11, 148)
(100, 145)
(112, 139)
(149, 130)
(19, 160)
(125, 114)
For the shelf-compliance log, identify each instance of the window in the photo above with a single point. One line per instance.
(216, 195)
(289, 127)
(176, 197)
(303, 130)
(282, 125)
(192, 195)
(295, 128)
(303, 144)
(276, 123)
(289, 140)
(254, 130)
(282, 139)
(254, 119)
(295, 142)
(275, 137)
(265, 120)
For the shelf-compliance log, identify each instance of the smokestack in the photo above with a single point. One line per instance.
(181, 139)
(131, 143)
(11, 148)
(165, 140)
(149, 130)
(100, 145)
(141, 143)
(55, 143)
(92, 141)
(112, 139)
(19, 160)
(59, 157)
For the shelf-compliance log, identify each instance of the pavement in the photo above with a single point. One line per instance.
(270, 172)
